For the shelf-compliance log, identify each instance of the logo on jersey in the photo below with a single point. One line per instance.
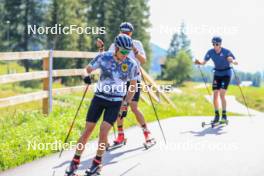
(124, 67)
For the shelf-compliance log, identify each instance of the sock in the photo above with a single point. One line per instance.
(216, 112)
(144, 126)
(97, 160)
(77, 156)
(224, 113)
(120, 129)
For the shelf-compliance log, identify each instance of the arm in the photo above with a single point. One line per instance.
(131, 91)
(128, 99)
(206, 59)
(231, 60)
(93, 65)
(89, 69)
(139, 56)
(139, 53)
(100, 45)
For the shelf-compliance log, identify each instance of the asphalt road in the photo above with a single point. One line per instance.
(233, 150)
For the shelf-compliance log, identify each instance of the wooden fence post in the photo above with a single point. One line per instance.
(47, 83)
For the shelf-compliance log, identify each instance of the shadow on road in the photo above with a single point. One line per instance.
(215, 131)
(108, 158)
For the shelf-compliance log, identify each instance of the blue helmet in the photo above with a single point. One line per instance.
(123, 41)
(216, 39)
(126, 27)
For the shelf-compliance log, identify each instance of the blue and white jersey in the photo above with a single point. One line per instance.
(220, 61)
(131, 54)
(113, 76)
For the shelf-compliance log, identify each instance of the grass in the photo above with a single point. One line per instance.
(10, 66)
(254, 96)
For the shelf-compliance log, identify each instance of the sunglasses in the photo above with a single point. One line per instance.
(124, 52)
(216, 44)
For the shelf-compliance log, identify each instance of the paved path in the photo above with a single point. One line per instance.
(234, 106)
(234, 150)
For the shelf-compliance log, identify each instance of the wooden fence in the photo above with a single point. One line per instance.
(47, 75)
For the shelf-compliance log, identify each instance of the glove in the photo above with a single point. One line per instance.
(87, 80)
(123, 110)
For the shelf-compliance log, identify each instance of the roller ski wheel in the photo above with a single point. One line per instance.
(149, 143)
(204, 124)
(116, 145)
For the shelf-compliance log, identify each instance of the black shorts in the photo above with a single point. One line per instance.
(221, 82)
(100, 105)
(137, 93)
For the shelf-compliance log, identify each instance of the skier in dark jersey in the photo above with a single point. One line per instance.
(222, 58)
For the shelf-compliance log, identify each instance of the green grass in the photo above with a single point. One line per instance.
(11, 66)
(254, 96)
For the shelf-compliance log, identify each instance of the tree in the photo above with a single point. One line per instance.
(179, 42)
(20, 14)
(174, 46)
(136, 12)
(65, 13)
(256, 80)
(98, 11)
(178, 69)
(184, 41)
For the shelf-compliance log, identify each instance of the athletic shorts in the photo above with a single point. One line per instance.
(99, 106)
(137, 93)
(221, 82)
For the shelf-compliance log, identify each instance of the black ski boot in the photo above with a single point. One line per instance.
(72, 168)
(95, 169)
(216, 119)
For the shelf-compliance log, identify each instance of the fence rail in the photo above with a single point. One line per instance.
(47, 75)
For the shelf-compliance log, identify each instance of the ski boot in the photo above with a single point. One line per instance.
(215, 122)
(72, 168)
(149, 141)
(224, 120)
(95, 169)
(119, 142)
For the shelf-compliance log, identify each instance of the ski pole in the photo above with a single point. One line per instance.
(154, 109)
(238, 84)
(204, 80)
(73, 121)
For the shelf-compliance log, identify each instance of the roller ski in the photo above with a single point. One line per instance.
(149, 142)
(72, 168)
(119, 142)
(213, 123)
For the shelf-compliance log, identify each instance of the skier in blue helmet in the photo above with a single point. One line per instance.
(222, 59)
(116, 69)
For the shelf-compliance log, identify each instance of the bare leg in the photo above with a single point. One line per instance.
(223, 99)
(104, 130)
(84, 137)
(138, 114)
(216, 104)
